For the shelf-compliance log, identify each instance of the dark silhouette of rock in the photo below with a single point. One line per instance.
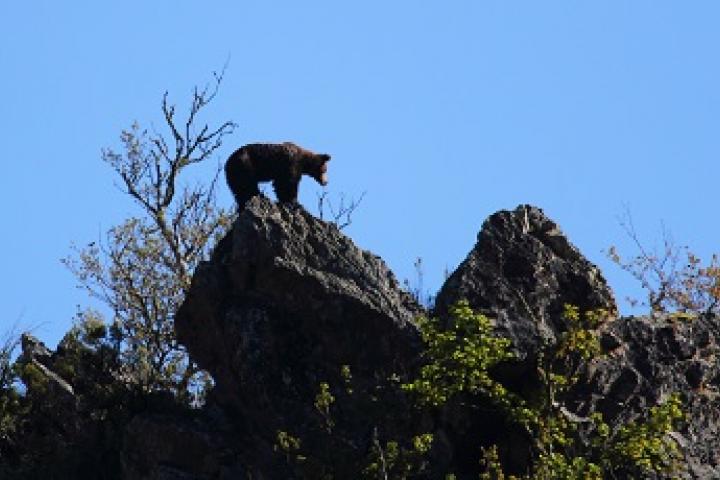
(166, 446)
(652, 358)
(83, 422)
(61, 434)
(521, 273)
(285, 301)
(35, 353)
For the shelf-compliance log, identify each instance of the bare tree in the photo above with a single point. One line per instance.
(340, 214)
(673, 277)
(143, 268)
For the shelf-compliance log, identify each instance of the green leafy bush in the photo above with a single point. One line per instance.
(461, 353)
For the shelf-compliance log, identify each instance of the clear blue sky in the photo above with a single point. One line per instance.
(444, 112)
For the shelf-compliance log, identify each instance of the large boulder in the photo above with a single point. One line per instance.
(285, 301)
(521, 273)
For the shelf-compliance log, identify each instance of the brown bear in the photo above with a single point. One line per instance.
(282, 163)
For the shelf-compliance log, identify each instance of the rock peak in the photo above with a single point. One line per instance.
(521, 273)
(284, 302)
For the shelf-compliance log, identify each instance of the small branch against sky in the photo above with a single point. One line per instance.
(673, 277)
(340, 214)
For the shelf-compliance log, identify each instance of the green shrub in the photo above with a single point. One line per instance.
(461, 353)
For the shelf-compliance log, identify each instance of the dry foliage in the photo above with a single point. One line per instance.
(143, 268)
(675, 279)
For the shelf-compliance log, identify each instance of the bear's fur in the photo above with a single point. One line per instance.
(282, 163)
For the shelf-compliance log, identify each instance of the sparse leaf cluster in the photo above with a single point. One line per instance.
(395, 461)
(674, 279)
(143, 267)
(461, 353)
(460, 359)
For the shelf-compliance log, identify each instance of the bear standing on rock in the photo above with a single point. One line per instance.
(283, 163)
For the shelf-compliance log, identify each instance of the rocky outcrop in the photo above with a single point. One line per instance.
(83, 422)
(521, 273)
(59, 434)
(37, 355)
(285, 301)
(646, 360)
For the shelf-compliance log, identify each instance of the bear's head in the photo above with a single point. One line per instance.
(315, 165)
(310, 163)
(318, 169)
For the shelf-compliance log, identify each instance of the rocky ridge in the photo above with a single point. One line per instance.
(287, 300)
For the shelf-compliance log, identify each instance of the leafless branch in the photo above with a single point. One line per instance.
(672, 277)
(342, 215)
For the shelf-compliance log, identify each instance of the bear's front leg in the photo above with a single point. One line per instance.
(286, 190)
(244, 191)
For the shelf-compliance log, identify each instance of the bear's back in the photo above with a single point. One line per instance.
(266, 160)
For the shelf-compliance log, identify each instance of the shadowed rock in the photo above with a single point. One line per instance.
(650, 358)
(521, 273)
(284, 302)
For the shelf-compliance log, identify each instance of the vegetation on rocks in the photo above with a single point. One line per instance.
(327, 369)
(461, 353)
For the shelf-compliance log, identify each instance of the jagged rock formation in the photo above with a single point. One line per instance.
(85, 423)
(520, 273)
(35, 353)
(649, 358)
(286, 300)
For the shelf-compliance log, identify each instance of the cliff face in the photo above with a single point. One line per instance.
(285, 301)
(648, 359)
(287, 304)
